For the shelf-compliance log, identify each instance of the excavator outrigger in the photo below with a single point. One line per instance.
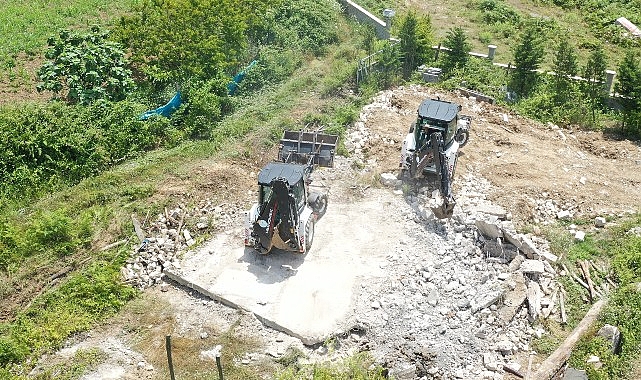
(287, 210)
(432, 144)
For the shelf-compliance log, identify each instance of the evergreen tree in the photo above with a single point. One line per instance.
(425, 38)
(459, 47)
(409, 43)
(388, 62)
(594, 73)
(416, 42)
(565, 67)
(528, 55)
(628, 88)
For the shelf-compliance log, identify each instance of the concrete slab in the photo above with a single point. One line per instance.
(308, 296)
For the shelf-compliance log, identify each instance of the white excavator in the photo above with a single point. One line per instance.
(431, 147)
(287, 208)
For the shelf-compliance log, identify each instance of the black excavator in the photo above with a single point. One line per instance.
(431, 147)
(287, 209)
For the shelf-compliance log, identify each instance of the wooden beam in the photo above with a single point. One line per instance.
(551, 365)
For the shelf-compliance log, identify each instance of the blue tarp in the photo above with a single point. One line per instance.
(232, 87)
(165, 110)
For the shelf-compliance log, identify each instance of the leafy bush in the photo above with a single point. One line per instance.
(274, 65)
(497, 11)
(42, 146)
(172, 41)
(306, 24)
(86, 67)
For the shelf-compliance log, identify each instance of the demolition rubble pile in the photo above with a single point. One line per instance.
(171, 234)
(463, 296)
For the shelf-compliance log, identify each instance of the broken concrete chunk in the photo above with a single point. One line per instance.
(534, 300)
(579, 236)
(599, 221)
(563, 215)
(389, 179)
(528, 247)
(551, 257)
(512, 237)
(487, 296)
(489, 228)
(514, 299)
(532, 266)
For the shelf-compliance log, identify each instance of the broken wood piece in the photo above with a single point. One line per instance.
(586, 274)
(551, 365)
(511, 370)
(564, 317)
(113, 245)
(137, 228)
(507, 129)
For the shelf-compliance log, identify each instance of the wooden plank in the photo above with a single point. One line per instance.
(553, 363)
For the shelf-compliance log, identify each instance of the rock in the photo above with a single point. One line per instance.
(532, 266)
(389, 179)
(579, 236)
(490, 362)
(551, 257)
(516, 263)
(505, 347)
(534, 300)
(575, 374)
(403, 371)
(432, 297)
(595, 361)
(563, 215)
(204, 335)
(613, 335)
(600, 221)
(486, 296)
(489, 228)
(514, 299)
(528, 247)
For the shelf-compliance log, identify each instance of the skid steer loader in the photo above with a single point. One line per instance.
(287, 209)
(431, 147)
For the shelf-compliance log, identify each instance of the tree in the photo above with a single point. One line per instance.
(628, 88)
(416, 42)
(565, 66)
(460, 48)
(85, 67)
(388, 62)
(594, 73)
(408, 44)
(424, 39)
(528, 55)
(369, 37)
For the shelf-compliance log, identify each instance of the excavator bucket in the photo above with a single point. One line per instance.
(308, 148)
(444, 211)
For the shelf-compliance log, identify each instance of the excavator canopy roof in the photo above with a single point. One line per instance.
(292, 173)
(438, 110)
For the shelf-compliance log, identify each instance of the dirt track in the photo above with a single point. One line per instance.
(533, 170)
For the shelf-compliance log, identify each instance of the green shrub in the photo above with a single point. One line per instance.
(86, 67)
(44, 146)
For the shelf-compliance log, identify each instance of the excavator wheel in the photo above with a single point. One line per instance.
(309, 234)
(462, 137)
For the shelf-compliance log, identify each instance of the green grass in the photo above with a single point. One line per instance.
(618, 255)
(25, 26)
(357, 367)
